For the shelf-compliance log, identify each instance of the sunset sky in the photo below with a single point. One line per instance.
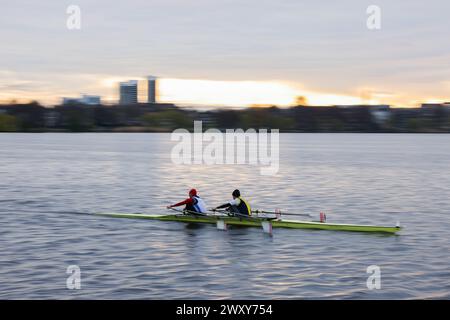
(228, 52)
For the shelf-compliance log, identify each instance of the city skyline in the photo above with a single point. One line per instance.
(229, 54)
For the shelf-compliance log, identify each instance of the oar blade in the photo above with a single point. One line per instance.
(221, 225)
(267, 227)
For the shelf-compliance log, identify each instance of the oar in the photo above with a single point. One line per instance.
(219, 210)
(265, 222)
(177, 210)
(240, 215)
(220, 224)
(282, 213)
(188, 211)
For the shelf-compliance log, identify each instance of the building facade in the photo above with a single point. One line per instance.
(128, 92)
(85, 99)
(151, 89)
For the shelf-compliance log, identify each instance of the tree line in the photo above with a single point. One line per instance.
(33, 117)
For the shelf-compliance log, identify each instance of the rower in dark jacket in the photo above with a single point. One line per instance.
(237, 205)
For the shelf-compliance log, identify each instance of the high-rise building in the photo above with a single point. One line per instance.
(151, 89)
(129, 92)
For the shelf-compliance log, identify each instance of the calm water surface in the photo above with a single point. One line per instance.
(49, 183)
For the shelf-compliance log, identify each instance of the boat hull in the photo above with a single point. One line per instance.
(233, 221)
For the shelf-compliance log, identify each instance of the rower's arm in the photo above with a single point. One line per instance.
(187, 201)
(225, 205)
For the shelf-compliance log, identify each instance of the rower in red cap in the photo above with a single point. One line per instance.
(194, 203)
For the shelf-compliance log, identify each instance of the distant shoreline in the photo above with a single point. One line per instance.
(156, 117)
(223, 131)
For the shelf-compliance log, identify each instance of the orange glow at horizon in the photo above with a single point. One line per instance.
(199, 92)
(243, 93)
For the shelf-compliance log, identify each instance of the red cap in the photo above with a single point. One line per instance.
(193, 192)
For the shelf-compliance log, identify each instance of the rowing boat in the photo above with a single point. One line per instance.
(256, 222)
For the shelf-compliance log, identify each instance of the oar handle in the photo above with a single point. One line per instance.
(177, 210)
(220, 211)
(281, 213)
(187, 211)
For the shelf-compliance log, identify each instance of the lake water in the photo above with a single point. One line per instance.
(50, 183)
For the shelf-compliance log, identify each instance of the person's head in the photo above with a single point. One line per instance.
(236, 194)
(192, 193)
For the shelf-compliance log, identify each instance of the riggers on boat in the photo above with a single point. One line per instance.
(257, 221)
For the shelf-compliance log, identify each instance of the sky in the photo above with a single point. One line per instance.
(228, 52)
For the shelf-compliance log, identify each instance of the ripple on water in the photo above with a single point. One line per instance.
(52, 182)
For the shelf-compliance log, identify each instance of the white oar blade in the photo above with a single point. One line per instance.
(221, 225)
(267, 227)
